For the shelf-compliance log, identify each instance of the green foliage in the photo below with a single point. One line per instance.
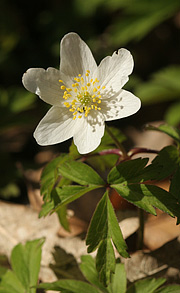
(162, 86)
(127, 179)
(80, 173)
(118, 282)
(104, 228)
(146, 286)
(25, 262)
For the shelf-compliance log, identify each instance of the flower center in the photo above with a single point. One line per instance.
(84, 95)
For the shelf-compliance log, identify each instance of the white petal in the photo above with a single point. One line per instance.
(121, 105)
(56, 126)
(44, 83)
(76, 57)
(113, 70)
(90, 134)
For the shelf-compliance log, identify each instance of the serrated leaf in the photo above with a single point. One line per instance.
(127, 171)
(49, 175)
(103, 225)
(119, 280)
(104, 228)
(88, 268)
(72, 286)
(149, 196)
(105, 260)
(115, 231)
(164, 164)
(25, 261)
(134, 171)
(80, 173)
(168, 129)
(146, 286)
(67, 194)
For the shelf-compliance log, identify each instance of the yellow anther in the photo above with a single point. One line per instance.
(94, 89)
(92, 106)
(87, 74)
(76, 84)
(82, 79)
(74, 117)
(103, 87)
(99, 96)
(94, 100)
(99, 102)
(80, 116)
(98, 87)
(99, 108)
(67, 104)
(93, 96)
(60, 80)
(87, 71)
(63, 87)
(91, 80)
(79, 75)
(85, 108)
(73, 85)
(88, 84)
(82, 88)
(95, 107)
(75, 113)
(69, 89)
(75, 90)
(72, 110)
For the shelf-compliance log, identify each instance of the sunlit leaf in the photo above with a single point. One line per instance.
(88, 268)
(80, 173)
(66, 194)
(146, 286)
(72, 286)
(119, 280)
(104, 228)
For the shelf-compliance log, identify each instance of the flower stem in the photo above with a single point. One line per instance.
(140, 239)
(117, 143)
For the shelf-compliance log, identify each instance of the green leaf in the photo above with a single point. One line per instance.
(50, 175)
(11, 284)
(169, 289)
(115, 231)
(172, 116)
(134, 171)
(66, 194)
(25, 261)
(149, 196)
(70, 286)
(168, 129)
(127, 171)
(105, 260)
(102, 229)
(164, 164)
(146, 286)
(119, 281)
(88, 268)
(62, 215)
(80, 173)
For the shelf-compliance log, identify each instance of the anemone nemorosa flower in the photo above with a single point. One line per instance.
(83, 95)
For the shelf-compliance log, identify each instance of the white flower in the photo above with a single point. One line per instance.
(83, 95)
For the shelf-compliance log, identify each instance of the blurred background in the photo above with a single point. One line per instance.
(30, 34)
